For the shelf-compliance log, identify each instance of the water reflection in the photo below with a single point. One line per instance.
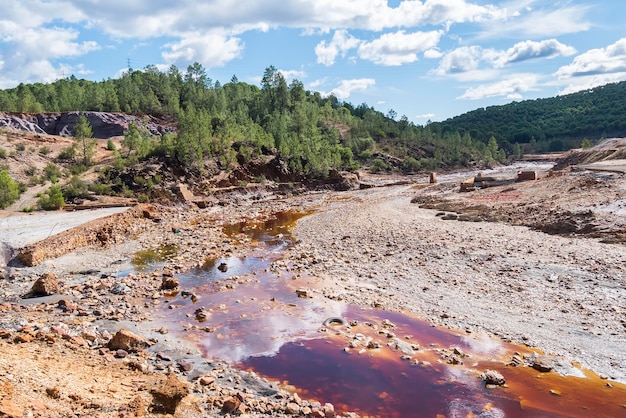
(244, 313)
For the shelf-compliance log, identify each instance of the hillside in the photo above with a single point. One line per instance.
(551, 124)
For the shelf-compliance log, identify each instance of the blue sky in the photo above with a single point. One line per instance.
(430, 59)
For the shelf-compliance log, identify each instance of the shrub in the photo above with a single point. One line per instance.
(52, 199)
(3, 153)
(9, 189)
(31, 170)
(67, 153)
(76, 189)
(44, 150)
(111, 145)
(379, 165)
(52, 171)
(21, 147)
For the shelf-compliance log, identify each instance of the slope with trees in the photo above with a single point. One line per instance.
(552, 124)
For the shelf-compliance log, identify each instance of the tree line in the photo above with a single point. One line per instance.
(237, 120)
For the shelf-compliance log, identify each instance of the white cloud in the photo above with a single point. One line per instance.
(552, 20)
(460, 60)
(433, 53)
(341, 43)
(212, 49)
(611, 59)
(594, 68)
(347, 87)
(398, 48)
(523, 51)
(292, 74)
(425, 116)
(511, 88)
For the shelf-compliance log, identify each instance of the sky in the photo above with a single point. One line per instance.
(426, 60)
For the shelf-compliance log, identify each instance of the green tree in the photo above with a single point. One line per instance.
(9, 189)
(83, 136)
(586, 143)
(52, 199)
(137, 139)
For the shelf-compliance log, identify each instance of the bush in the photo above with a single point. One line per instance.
(52, 200)
(9, 189)
(111, 145)
(3, 153)
(67, 153)
(52, 171)
(379, 165)
(45, 150)
(76, 189)
(21, 147)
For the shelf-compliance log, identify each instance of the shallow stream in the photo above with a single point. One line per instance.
(246, 311)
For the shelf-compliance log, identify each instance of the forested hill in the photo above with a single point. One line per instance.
(312, 134)
(555, 124)
(236, 121)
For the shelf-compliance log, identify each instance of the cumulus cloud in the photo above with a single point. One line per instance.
(594, 68)
(511, 88)
(468, 59)
(398, 48)
(292, 74)
(341, 43)
(433, 53)
(523, 51)
(213, 49)
(347, 87)
(611, 59)
(460, 60)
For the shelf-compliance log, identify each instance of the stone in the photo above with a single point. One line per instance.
(404, 347)
(492, 377)
(329, 410)
(120, 289)
(54, 392)
(128, 341)
(184, 366)
(167, 397)
(230, 405)
(223, 267)
(45, 285)
(292, 408)
(169, 283)
(206, 380)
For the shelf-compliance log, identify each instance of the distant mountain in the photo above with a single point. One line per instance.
(555, 124)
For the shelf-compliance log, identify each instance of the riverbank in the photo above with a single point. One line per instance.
(379, 247)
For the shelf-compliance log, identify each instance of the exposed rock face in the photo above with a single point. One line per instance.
(101, 232)
(104, 125)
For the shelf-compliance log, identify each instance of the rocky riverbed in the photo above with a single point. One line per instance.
(390, 247)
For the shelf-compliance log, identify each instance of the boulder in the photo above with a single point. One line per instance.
(167, 397)
(45, 285)
(492, 377)
(127, 341)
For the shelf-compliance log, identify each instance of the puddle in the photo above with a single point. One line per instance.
(146, 259)
(238, 310)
